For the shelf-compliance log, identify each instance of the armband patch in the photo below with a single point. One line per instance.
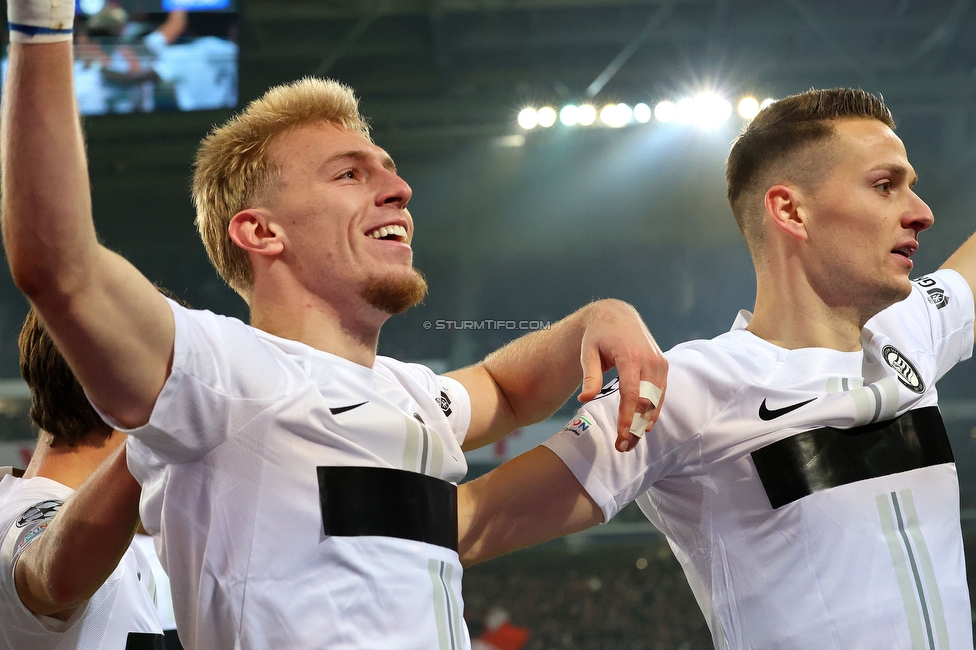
(29, 536)
(444, 402)
(40, 512)
(579, 426)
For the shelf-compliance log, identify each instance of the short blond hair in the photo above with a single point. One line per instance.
(234, 165)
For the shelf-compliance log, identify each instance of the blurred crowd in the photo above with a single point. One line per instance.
(603, 598)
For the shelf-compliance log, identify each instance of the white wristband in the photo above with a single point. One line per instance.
(40, 21)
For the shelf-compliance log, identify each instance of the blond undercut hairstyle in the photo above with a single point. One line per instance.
(785, 140)
(235, 167)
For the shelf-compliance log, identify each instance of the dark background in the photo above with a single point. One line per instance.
(534, 232)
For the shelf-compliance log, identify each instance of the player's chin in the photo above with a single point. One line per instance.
(396, 292)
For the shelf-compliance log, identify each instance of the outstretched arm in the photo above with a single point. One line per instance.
(963, 261)
(528, 379)
(83, 544)
(112, 326)
(528, 500)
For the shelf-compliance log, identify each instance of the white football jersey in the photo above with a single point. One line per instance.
(248, 441)
(810, 495)
(121, 615)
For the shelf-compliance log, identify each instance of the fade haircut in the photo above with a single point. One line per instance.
(58, 403)
(781, 139)
(234, 165)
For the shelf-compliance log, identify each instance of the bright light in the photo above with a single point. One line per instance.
(546, 116)
(615, 115)
(528, 118)
(665, 111)
(642, 113)
(569, 115)
(748, 107)
(91, 7)
(624, 113)
(705, 110)
(766, 102)
(585, 115)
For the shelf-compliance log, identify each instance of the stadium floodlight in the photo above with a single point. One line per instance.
(665, 111)
(642, 113)
(569, 115)
(748, 107)
(615, 115)
(585, 115)
(705, 110)
(624, 113)
(766, 102)
(528, 118)
(546, 116)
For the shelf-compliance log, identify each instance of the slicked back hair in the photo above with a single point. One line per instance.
(234, 165)
(780, 135)
(58, 403)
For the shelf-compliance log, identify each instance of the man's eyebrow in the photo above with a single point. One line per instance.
(896, 169)
(362, 157)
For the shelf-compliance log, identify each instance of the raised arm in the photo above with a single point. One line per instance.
(112, 326)
(963, 261)
(528, 379)
(528, 500)
(83, 544)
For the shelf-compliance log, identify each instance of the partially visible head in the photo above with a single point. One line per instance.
(58, 403)
(790, 142)
(235, 166)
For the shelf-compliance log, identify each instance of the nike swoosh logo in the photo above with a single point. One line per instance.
(343, 409)
(766, 414)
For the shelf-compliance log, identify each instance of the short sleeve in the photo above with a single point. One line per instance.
(222, 377)
(455, 403)
(936, 318)
(23, 530)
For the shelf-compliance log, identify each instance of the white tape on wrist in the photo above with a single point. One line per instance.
(653, 393)
(40, 21)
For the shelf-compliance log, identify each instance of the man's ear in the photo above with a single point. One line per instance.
(255, 232)
(785, 209)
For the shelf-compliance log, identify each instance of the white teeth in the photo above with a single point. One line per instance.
(385, 231)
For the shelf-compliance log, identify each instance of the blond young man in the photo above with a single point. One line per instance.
(300, 488)
(800, 468)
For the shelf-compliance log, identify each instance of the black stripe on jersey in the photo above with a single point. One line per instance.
(388, 503)
(145, 641)
(821, 459)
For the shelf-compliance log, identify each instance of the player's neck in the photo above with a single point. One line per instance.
(349, 330)
(70, 466)
(793, 316)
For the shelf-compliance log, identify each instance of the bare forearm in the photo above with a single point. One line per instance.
(528, 500)
(48, 231)
(537, 373)
(84, 543)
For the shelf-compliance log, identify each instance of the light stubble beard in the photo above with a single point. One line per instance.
(395, 295)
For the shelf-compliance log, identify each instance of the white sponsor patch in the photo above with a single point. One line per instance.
(579, 426)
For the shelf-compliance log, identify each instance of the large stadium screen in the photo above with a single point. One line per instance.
(140, 56)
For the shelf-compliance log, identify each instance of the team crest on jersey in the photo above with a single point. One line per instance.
(612, 387)
(579, 426)
(444, 402)
(938, 297)
(907, 373)
(43, 511)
